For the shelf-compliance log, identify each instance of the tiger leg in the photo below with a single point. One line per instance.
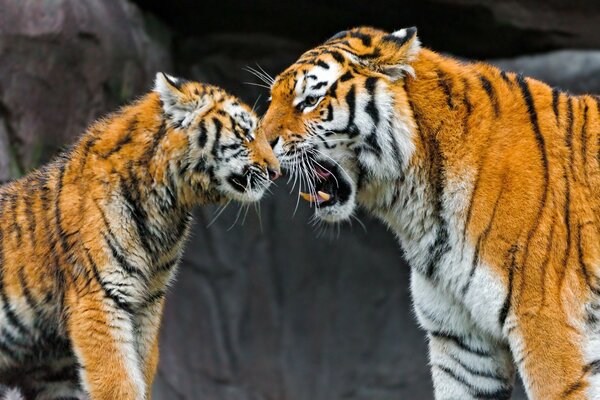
(148, 326)
(102, 334)
(465, 362)
(551, 360)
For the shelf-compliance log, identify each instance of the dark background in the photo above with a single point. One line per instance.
(264, 309)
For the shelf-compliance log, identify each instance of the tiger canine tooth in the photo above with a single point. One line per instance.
(308, 197)
(323, 196)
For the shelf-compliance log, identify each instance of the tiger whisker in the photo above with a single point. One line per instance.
(218, 213)
(265, 73)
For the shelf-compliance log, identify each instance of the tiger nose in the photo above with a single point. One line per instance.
(274, 172)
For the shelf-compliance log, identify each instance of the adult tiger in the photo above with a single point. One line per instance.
(490, 180)
(90, 242)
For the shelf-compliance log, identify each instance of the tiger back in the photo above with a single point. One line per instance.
(491, 182)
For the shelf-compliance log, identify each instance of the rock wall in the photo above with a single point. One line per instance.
(264, 307)
(64, 63)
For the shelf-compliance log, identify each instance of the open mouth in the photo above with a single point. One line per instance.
(331, 187)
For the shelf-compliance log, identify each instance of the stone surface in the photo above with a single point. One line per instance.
(574, 70)
(63, 64)
(472, 28)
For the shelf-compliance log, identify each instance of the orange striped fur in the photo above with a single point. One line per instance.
(490, 180)
(90, 242)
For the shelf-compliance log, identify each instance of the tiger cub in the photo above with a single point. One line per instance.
(491, 182)
(90, 242)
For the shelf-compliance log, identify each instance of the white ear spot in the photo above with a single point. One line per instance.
(180, 112)
(400, 33)
(164, 85)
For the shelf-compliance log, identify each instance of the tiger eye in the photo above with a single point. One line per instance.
(310, 101)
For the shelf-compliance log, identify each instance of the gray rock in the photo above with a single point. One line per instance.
(64, 63)
(471, 28)
(577, 71)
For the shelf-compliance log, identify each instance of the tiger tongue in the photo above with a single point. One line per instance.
(322, 172)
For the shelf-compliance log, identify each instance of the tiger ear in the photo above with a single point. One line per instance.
(178, 106)
(394, 53)
(386, 53)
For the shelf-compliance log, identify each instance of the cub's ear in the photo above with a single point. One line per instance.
(386, 53)
(180, 106)
(169, 88)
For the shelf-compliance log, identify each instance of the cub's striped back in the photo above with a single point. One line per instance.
(90, 242)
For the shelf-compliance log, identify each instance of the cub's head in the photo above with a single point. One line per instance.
(215, 141)
(339, 117)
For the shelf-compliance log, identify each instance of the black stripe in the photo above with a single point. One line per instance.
(351, 102)
(215, 147)
(572, 388)
(108, 293)
(567, 222)
(117, 254)
(569, 133)
(62, 236)
(532, 112)
(460, 343)
(202, 136)
(329, 113)
(373, 112)
(555, 103)
(136, 210)
(437, 181)
(14, 202)
(30, 215)
(322, 64)
(468, 106)
(124, 140)
(347, 76)
(365, 39)
(503, 393)
(337, 56)
(27, 295)
(111, 241)
(590, 280)
(318, 85)
(472, 371)
(484, 235)
(505, 77)
(584, 136)
(151, 150)
(446, 85)
(491, 93)
(11, 317)
(592, 368)
(511, 273)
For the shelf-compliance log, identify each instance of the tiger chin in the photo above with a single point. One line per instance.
(90, 242)
(491, 182)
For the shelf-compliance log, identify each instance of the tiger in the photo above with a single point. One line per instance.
(90, 242)
(490, 181)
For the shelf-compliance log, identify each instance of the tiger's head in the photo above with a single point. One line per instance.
(340, 117)
(213, 139)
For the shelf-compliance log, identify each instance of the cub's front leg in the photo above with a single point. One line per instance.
(147, 327)
(102, 333)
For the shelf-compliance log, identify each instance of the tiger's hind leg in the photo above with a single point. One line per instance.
(554, 358)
